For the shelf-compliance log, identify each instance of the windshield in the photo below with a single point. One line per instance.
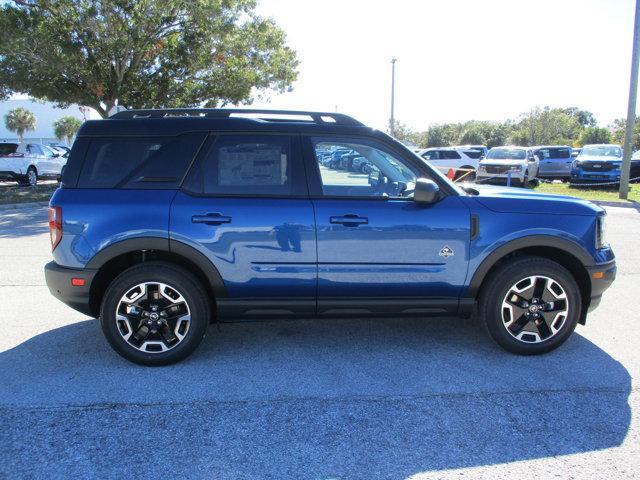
(507, 154)
(612, 151)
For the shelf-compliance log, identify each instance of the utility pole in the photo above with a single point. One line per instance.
(392, 121)
(631, 112)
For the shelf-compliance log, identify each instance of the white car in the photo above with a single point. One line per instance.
(27, 162)
(519, 165)
(463, 161)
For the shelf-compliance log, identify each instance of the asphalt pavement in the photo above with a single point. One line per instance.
(351, 398)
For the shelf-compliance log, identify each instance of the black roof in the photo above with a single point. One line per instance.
(175, 121)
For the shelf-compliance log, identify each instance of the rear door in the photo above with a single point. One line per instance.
(246, 207)
(555, 161)
(378, 250)
(36, 154)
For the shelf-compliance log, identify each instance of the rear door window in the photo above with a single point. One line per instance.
(250, 165)
(139, 162)
(450, 155)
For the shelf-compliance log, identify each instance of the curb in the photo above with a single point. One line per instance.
(18, 206)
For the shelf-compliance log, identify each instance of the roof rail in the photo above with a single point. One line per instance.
(316, 117)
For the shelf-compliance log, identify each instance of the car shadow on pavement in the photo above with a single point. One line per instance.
(22, 222)
(349, 398)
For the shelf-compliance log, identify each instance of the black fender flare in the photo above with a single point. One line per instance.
(529, 241)
(163, 245)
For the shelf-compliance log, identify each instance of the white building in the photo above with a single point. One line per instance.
(46, 114)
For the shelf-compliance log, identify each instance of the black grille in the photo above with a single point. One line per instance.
(597, 166)
(497, 168)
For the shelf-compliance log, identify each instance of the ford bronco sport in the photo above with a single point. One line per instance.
(168, 220)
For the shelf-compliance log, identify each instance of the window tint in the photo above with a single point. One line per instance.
(431, 155)
(249, 165)
(138, 162)
(367, 171)
(450, 155)
(34, 149)
(473, 153)
(557, 152)
(8, 148)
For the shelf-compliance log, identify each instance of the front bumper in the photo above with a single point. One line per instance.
(601, 276)
(499, 178)
(59, 282)
(580, 176)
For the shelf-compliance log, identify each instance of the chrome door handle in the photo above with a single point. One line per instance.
(349, 220)
(211, 219)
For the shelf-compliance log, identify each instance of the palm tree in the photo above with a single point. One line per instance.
(20, 120)
(66, 127)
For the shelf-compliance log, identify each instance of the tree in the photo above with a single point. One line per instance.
(142, 53)
(595, 135)
(20, 120)
(66, 128)
(619, 126)
(546, 126)
(584, 117)
(477, 132)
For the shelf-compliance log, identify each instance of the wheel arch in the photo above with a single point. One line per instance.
(564, 252)
(114, 259)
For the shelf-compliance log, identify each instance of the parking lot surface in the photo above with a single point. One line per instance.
(322, 399)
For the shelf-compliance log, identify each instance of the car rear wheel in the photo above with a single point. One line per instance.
(31, 177)
(530, 305)
(155, 313)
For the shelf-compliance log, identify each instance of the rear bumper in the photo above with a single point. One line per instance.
(59, 282)
(606, 274)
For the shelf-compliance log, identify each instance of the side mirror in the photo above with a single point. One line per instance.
(426, 191)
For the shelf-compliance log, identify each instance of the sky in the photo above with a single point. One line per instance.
(458, 60)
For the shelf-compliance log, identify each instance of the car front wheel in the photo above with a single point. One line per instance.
(155, 313)
(530, 305)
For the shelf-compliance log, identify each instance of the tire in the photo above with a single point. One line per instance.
(32, 177)
(150, 348)
(502, 319)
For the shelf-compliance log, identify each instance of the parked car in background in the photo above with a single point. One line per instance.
(575, 152)
(519, 165)
(59, 149)
(597, 163)
(218, 216)
(479, 148)
(555, 161)
(461, 159)
(26, 163)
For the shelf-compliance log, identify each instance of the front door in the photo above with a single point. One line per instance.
(245, 206)
(378, 250)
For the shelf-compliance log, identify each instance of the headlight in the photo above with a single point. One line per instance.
(575, 164)
(482, 168)
(601, 241)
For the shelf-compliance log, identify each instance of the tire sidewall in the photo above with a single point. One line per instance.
(502, 281)
(175, 277)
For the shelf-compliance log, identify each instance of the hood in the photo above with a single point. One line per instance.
(497, 161)
(520, 200)
(597, 158)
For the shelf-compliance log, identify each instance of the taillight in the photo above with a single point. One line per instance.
(55, 226)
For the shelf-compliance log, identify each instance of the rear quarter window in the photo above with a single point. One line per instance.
(139, 162)
(8, 148)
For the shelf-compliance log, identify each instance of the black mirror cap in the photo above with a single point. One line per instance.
(426, 191)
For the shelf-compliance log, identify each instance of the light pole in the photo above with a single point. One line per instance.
(631, 111)
(392, 121)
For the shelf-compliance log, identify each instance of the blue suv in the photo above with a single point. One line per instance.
(168, 220)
